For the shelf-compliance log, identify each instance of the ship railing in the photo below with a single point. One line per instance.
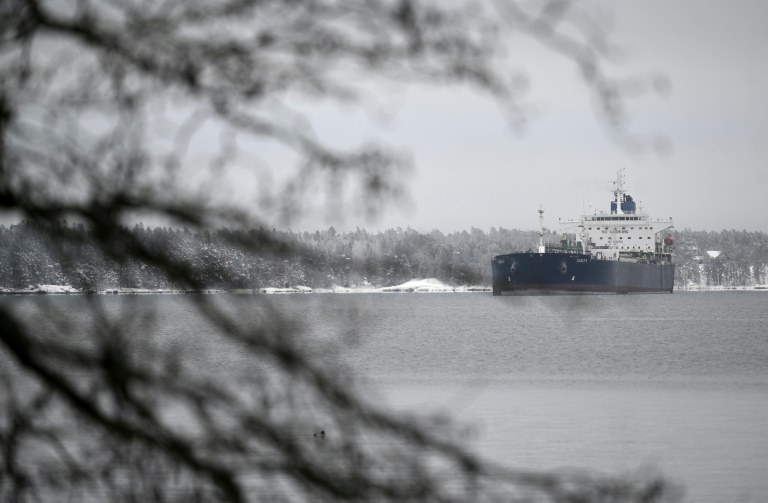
(564, 248)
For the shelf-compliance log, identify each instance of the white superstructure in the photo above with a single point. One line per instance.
(623, 234)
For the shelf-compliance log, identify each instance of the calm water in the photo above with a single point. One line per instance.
(676, 383)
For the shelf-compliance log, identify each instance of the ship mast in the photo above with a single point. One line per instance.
(542, 231)
(618, 197)
(618, 190)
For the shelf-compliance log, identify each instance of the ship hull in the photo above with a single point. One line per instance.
(577, 273)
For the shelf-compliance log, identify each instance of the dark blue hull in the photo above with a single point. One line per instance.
(576, 273)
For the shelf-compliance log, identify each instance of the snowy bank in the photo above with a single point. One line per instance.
(294, 289)
(431, 285)
(44, 289)
(720, 288)
(57, 289)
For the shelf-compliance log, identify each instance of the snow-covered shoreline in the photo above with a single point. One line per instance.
(430, 285)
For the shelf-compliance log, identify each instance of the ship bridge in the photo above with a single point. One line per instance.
(624, 233)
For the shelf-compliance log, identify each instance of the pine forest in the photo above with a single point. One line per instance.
(261, 258)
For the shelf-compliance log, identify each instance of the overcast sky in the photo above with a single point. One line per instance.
(474, 171)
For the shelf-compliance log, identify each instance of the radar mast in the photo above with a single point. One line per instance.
(618, 191)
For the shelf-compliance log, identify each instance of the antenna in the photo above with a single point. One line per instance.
(618, 190)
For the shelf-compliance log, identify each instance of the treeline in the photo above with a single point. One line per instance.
(256, 258)
(261, 258)
(742, 259)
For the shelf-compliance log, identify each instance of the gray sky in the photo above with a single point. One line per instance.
(474, 171)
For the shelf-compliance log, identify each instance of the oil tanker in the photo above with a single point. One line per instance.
(621, 251)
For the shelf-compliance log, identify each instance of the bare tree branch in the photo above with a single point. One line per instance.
(86, 405)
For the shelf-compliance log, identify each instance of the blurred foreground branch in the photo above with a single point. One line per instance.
(103, 404)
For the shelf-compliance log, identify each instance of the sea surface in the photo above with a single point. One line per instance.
(676, 384)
